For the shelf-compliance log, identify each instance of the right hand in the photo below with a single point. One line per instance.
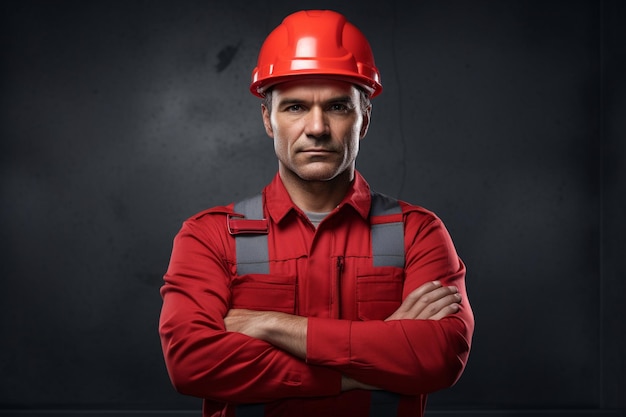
(431, 301)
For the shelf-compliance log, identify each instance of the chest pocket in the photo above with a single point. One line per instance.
(378, 291)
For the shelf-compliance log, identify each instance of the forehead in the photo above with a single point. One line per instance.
(316, 87)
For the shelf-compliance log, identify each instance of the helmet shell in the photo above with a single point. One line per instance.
(316, 43)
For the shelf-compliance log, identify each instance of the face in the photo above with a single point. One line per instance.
(316, 126)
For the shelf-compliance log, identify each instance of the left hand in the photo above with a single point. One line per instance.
(431, 301)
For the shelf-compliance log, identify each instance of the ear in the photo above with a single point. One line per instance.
(367, 116)
(267, 121)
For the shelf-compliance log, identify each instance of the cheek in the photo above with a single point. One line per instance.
(284, 138)
(281, 146)
(354, 149)
(354, 143)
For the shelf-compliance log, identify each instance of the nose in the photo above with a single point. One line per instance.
(316, 123)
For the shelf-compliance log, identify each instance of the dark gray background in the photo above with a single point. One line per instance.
(122, 118)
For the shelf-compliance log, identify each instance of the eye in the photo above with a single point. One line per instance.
(294, 108)
(340, 107)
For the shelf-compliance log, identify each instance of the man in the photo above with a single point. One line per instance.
(316, 318)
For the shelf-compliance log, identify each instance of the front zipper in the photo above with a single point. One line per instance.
(338, 275)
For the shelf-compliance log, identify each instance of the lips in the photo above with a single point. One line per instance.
(317, 150)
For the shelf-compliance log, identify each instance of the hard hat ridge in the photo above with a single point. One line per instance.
(315, 43)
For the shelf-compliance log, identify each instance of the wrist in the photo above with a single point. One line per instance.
(285, 331)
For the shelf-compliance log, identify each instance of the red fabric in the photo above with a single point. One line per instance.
(346, 306)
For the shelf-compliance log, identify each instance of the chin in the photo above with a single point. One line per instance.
(320, 172)
(320, 178)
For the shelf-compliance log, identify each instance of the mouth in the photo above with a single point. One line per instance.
(317, 151)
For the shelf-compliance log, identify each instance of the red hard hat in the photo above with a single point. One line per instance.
(316, 43)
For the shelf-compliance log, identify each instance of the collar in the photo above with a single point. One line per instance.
(279, 204)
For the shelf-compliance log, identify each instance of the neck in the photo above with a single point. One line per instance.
(317, 196)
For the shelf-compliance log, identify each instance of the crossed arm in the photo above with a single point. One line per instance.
(263, 356)
(431, 301)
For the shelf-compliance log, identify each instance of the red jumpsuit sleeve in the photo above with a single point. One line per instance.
(202, 358)
(409, 357)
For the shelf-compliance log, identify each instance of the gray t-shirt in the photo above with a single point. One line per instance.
(316, 218)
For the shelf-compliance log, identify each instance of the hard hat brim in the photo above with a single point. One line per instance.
(258, 88)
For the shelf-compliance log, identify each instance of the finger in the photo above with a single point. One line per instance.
(441, 307)
(425, 289)
(431, 300)
(446, 311)
(424, 302)
(416, 295)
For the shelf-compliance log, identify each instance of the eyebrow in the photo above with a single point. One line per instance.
(287, 101)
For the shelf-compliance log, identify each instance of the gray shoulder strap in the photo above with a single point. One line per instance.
(387, 237)
(252, 249)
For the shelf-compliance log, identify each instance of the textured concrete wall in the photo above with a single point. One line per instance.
(121, 119)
